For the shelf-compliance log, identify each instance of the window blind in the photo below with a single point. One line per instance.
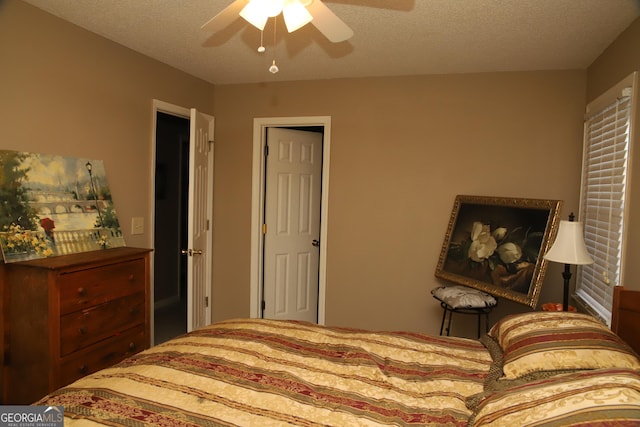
(602, 204)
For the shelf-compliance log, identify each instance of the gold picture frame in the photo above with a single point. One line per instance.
(496, 244)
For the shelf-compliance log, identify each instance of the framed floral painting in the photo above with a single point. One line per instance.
(497, 244)
(54, 205)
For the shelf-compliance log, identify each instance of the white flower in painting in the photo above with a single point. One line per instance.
(483, 244)
(509, 253)
(499, 233)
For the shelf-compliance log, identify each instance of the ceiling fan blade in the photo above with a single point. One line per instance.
(328, 22)
(225, 17)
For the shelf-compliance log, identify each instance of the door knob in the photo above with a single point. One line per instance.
(196, 252)
(315, 243)
(186, 252)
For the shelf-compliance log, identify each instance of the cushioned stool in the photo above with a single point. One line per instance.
(464, 300)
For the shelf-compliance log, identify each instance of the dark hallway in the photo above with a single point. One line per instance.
(171, 216)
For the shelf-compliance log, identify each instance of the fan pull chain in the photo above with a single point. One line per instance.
(261, 48)
(274, 68)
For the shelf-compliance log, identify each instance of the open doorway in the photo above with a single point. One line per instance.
(292, 217)
(170, 226)
(183, 183)
(260, 126)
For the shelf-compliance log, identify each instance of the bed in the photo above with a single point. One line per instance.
(536, 368)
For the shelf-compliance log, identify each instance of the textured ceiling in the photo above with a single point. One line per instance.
(392, 37)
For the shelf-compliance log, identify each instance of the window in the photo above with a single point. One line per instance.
(605, 170)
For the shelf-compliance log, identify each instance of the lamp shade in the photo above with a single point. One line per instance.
(295, 15)
(569, 246)
(257, 12)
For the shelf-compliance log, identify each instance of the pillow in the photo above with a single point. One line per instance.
(540, 342)
(596, 397)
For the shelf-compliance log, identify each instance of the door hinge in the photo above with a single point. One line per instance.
(266, 150)
(264, 305)
(207, 225)
(264, 228)
(206, 302)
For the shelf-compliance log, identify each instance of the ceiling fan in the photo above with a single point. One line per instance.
(297, 13)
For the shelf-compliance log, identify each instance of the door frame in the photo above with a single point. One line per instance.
(165, 107)
(257, 204)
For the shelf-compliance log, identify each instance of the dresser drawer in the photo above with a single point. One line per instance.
(83, 328)
(85, 288)
(102, 355)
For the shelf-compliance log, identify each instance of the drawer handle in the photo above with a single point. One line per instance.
(82, 291)
(132, 346)
(132, 277)
(83, 369)
(82, 329)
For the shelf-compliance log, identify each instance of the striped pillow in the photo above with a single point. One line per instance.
(595, 397)
(540, 342)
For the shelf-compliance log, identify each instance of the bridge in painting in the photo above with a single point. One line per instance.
(62, 202)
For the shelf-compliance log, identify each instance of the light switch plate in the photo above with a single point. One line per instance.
(137, 225)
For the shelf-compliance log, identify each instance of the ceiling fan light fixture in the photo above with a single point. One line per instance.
(257, 12)
(295, 15)
(272, 7)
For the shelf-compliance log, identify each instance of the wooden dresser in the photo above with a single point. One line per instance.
(68, 316)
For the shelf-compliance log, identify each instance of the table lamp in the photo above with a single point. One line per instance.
(569, 248)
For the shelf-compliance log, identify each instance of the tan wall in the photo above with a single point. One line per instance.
(616, 62)
(401, 149)
(64, 90)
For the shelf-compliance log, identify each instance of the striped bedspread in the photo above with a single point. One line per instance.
(251, 372)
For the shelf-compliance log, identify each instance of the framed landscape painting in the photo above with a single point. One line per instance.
(54, 205)
(497, 244)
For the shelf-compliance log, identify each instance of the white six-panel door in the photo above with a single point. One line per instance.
(292, 220)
